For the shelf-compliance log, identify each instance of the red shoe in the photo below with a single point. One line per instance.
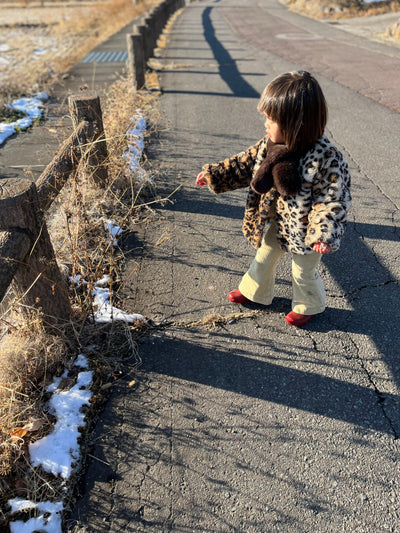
(237, 297)
(295, 319)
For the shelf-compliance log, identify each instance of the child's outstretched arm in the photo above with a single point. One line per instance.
(233, 173)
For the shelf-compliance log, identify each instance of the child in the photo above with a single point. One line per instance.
(298, 197)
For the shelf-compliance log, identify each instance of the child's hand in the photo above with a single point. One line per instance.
(201, 180)
(322, 248)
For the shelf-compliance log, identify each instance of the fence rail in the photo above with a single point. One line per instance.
(27, 259)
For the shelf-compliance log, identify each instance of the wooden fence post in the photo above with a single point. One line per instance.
(136, 56)
(157, 23)
(148, 38)
(37, 280)
(93, 144)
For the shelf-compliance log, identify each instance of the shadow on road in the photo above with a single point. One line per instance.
(357, 272)
(227, 66)
(360, 278)
(239, 373)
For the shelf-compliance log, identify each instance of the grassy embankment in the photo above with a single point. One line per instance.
(39, 44)
(29, 354)
(339, 9)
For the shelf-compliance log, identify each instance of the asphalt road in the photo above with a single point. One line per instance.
(256, 426)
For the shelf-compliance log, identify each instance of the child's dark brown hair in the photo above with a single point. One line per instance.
(296, 102)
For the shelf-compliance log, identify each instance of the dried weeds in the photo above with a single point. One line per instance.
(39, 44)
(393, 31)
(338, 9)
(30, 355)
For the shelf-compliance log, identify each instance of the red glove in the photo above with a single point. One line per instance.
(201, 180)
(322, 248)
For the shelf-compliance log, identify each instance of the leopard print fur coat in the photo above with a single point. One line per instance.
(317, 213)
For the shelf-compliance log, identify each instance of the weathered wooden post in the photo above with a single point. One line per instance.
(28, 255)
(164, 14)
(148, 38)
(14, 246)
(156, 23)
(136, 56)
(170, 4)
(93, 143)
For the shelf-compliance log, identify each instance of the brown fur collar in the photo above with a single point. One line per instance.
(279, 168)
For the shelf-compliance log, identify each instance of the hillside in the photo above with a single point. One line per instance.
(342, 8)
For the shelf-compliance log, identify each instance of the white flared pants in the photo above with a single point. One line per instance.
(257, 284)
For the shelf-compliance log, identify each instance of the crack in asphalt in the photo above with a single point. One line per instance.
(362, 288)
(379, 395)
(355, 355)
(365, 176)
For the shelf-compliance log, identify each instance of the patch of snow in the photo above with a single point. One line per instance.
(103, 281)
(58, 453)
(135, 141)
(77, 280)
(48, 517)
(32, 107)
(114, 230)
(107, 313)
(56, 381)
(81, 361)
(104, 312)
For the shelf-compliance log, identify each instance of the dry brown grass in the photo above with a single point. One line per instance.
(45, 42)
(326, 9)
(393, 31)
(77, 222)
(29, 355)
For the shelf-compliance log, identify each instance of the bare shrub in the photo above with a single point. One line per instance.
(342, 8)
(393, 31)
(77, 219)
(29, 357)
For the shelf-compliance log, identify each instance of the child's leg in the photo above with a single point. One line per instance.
(308, 290)
(258, 282)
